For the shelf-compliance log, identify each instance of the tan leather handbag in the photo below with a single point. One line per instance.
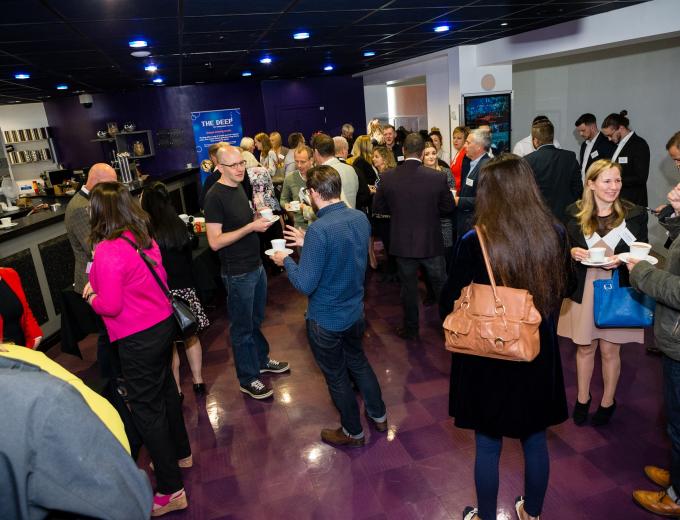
(494, 322)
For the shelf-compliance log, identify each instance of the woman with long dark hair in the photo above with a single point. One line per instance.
(138, 315)
(498, 398)
(174, 241)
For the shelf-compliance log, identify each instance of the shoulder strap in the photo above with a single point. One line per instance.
(487, 263)
(150, 263)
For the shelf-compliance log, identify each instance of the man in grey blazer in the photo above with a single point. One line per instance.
(77, 221)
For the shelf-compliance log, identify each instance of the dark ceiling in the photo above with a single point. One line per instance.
(84, 43)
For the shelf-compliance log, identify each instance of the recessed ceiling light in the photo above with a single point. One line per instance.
(368, 54)
(328, 67)
(151, 68)
(62, 87)
(138, 44)
(504, 24)
(442, 28)
(301, 36)
(266, 60)
(140, 54)
(158, 80)
(246, 73)
(22, 75)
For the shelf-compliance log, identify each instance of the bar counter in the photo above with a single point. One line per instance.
(39, 250)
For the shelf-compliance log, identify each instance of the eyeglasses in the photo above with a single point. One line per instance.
(241, 164)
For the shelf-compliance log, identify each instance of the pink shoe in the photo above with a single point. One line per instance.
(163, 504)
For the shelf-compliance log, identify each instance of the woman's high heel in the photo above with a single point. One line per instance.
(580, 414)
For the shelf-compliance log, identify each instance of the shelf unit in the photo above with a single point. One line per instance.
(123, 141)
(29, 152)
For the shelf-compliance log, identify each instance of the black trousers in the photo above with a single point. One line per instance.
(152, 395)
(435, 270)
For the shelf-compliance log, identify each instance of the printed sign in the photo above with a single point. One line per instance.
(213, 126)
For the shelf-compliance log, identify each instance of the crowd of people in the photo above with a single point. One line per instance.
(331, 200)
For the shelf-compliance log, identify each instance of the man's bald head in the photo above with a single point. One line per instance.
(100, 172)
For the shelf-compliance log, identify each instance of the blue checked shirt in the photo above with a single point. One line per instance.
(332, 267)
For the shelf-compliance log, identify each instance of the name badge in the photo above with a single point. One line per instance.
(400, 158)
(469, 182)
(594, 154)
(88, 267)
(623, 160)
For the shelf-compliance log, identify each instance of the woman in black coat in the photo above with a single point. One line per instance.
(499, 398)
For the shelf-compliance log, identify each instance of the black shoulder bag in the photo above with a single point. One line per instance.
(186, 320)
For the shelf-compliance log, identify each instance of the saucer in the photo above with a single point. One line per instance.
(607, 260)
(12, 224)
(649, 258)
(270, 252)
(273, 219)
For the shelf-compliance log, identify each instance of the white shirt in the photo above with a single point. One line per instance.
(586, 154)
(349, 181)
(525, 146)
(622, 143)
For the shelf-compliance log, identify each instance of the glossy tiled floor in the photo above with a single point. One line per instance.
(264, 460)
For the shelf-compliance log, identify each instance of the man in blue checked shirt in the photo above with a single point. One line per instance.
(331, 272)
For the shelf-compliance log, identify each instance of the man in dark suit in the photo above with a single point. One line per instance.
(632, 153)
(595, 145)
(477, 146)
(415, 197)
(556, 171)
(391, 142)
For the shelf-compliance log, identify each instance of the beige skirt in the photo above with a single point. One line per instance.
(577, 322)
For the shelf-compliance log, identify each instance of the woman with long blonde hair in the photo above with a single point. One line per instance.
(600, 219)
(383, 160)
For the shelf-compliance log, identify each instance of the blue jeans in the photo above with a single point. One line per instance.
(336, 353)
(536, 472)
(671, 391)
(246, 300)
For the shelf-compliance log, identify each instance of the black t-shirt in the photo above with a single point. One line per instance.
(11, 312)
(230, 207)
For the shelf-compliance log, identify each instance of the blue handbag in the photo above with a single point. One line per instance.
(616, 306)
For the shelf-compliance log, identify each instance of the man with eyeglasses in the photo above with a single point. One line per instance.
(231, 231)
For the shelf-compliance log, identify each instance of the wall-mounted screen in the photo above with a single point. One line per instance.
(492, 110)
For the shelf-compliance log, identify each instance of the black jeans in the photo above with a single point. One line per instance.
(671, 390)
(152, 395)
(435, 270)
(336, 353)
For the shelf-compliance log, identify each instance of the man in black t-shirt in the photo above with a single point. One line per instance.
(231, 232)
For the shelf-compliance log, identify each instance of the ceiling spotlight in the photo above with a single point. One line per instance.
(137, 44)
(246, 73)
(140, 54)
(301, 36)
(442, 28)
(151, 68)
(62, 87)
(266, 60)
(368, 54)
(22, 75)
(504, 24)
(158, 80)
(328, 67)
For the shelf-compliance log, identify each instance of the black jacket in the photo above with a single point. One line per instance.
(467, 193)
(602, 148)
(558, 177)
(636, 222)
(634, 161)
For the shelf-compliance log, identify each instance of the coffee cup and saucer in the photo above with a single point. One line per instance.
(268, 213)
(597, 258)
(278, 245)
(6, 222)
(639, 251)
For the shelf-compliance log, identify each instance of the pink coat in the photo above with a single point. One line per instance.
(128, 297)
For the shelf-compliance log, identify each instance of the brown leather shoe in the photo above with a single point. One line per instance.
(657, 502)
(338, 438)
(660, 477)
(379, 426)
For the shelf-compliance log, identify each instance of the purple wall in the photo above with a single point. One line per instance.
(285, 106)
(291, 106)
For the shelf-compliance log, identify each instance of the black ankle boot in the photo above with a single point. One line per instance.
(580, 414)
(603, 415)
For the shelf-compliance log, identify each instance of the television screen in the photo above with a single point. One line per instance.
(492, 110)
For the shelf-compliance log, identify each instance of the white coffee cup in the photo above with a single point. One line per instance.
(266, 213)
(279, 244)
(596, 254)
(6, 221)
(639, 250)
(294, 205)
(184, 217)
